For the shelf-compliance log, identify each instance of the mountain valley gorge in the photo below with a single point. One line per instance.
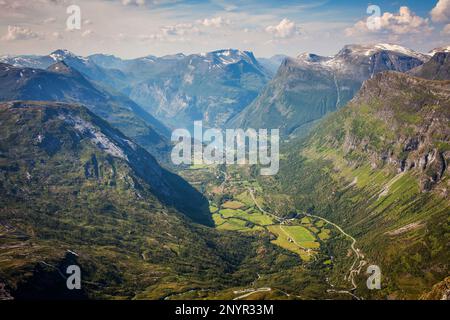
(86, 176)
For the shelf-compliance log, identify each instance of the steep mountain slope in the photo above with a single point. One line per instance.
(379, 168)
(139, 69)
(308, 87)
(179, 89)
(437, 68)
(63, 83)
(70, 128)
(211, 87)
(273, 63)
(76, 191)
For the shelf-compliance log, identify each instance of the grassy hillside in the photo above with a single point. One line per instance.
(75, 190)
(379, 167)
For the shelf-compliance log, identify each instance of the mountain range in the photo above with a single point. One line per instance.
(176, 89)
(59, 82)
(84, 178)
(180, 89)
(309, 86)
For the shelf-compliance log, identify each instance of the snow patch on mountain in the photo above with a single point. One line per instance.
(96, 136)
(339, 61)
(441, 49)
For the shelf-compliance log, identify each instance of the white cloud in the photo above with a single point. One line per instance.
(215, 22)
(147, 37)
(180, 29)
(57, 35)
(285, 29)
(87, 33)
(441, 12)
(19, 33)
(403, 22)
(172, 33)
(49, 20)
(446, 30)
(133, 2)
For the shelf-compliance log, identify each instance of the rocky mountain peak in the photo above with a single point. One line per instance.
(371, 49)
(440, 49)
(230, 56)
(61, 54)
(311, 57)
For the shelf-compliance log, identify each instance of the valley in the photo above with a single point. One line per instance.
(237, 204)
(87, 178)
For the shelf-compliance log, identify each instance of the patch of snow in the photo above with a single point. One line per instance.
(442, 49)
(72, 252)
(96, 136)
(396, 48)
(55, 57)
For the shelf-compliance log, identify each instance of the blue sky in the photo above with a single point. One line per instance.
(132, 28)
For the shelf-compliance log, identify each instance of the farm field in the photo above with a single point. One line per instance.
(232, 197)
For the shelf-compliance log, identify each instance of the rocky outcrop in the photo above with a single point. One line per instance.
(405, 126)
(440, 291)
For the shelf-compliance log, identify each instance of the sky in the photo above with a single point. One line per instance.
(136, 28)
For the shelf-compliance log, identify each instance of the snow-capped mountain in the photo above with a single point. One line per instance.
(440, 49)
(363, 60)
(63, 54)
(28, 61)
(212, 87)
(40, 62)
(177, 88)
(307, 87)
(369, 50)
(110, 78)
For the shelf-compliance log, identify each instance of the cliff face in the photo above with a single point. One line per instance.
(440, 291)
(414, 114)
(437, 68)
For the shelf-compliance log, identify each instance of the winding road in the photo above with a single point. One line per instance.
(354, 269)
